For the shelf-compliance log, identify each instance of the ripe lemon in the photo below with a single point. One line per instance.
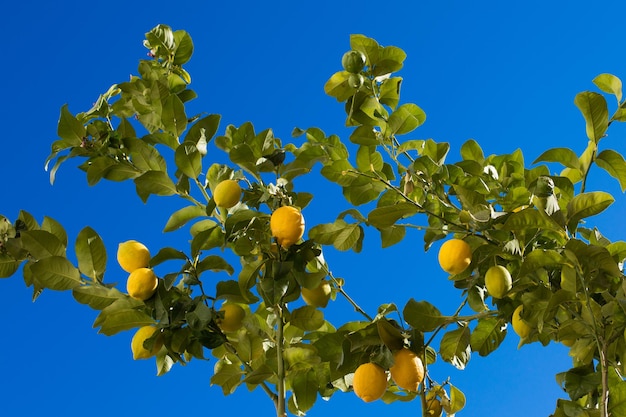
(520, 326)
(233, 317)
(227, 194)
(142, 283)
(287, 225)
(132, 255)
(455, 255)
(370, 382)
(498, 281)
(407, 370)
(136, 344)
(318, 296)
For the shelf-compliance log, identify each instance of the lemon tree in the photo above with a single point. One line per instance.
(245, 292)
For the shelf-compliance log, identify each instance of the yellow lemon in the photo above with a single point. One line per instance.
(498, 281)
(136, 345)
(227, 194)
(455, 255)
(407, 370)
(287, 225)
(132, 255)
(318, 296)
(520, 326)
(142, 283)
(370, 382)
(233, 317)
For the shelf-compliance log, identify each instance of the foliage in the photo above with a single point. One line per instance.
(567, 276)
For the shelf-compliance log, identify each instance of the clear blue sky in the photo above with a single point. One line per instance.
(503, 73)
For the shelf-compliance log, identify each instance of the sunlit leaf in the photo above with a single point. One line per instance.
(586, 205)
(91, 253)
(422, 315)
(307, 318)
(8, 265)
(387, 216)
(41, 244)
(406, 118)
(564, 156)
(487, 335)
(455, 347)
(97, 297)
(471, 151)
(609, 83)
(184, 47)
(154, 182)
(180, 217)
(70, 129)
(594, 109)
(614, 163)
(56, 273)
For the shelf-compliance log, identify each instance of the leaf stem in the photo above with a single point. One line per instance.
(281, 399)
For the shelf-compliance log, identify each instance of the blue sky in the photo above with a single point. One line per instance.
(502, 73)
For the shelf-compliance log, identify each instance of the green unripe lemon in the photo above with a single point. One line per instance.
(498, 281)
(353, 61)
(227, 194)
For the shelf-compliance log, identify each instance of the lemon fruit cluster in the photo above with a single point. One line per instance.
(227, 194)
(232, 319)
(318, 296)
(455, 255)
(132, 255)
(369, 382)
(287, 225)
(407, 370)
(137, 343)
(520, 326)
(498, 281)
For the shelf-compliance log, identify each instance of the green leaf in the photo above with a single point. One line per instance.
(184, 47)
(613, 163)
(42, 244)
(144, 156)
(387, 216)
(214, 263)
(594, 109)
(457, 400)
(8, 265)
(339, 87)
(227, 375)
(91, 253)
(154, 182)
(304, 385)
(203, 130)
(610, 84)
(96, 296)
(390, 91)
(422, 315)
(388, 59)
(578, 382)
(161, 40)
(368, 159)
(617, 397)
(364, 135)
(564, 156)
(586, 205)
(307, 318)
(406, 118)
(487, 335)
(122, 314)
(56, 273)
(180, 217)
(50, 225)
(173, 116)
(70, 129)
(529, 219)
(471, 151)
(389, 236)
(455, 347)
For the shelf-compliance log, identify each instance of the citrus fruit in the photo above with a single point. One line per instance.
(233, 317)
(136, 345)
(318, 296)
(520, 326)
(568, 342)
(142, 283)
(498, 281)
(132, 255)
(353, 61)
(370, 382)
(433, 407)
(287, 225)
(227, 194)
(455, 255)
(407, 370)
(355, 80)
